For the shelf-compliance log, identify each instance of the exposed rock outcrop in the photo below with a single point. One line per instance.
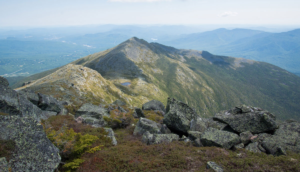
(144, 125)
(246, 118)
(111, 135)
(179, 115)
(154, 105)
(34, 151)
(219, 138)
(92, 114)
(150, 139)
(138, 113)
(215, 167)
(48, 103)
(286, 138)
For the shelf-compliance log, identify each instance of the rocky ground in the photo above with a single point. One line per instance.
(40, 133)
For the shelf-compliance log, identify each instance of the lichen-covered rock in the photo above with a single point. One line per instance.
(193, 135)
(30, 95)
(150, 139)
(219, 138)
(4, 82)
(215, 167)
(111, 135)
(15, 104)
(3, 162)
(198, 124)
(165, 130)
(119, 103)
(49, 103)
(154, 105)
(92, 114)
(138, 113)
(34, 151)
(179, 116)
(286, 138)
(144, 125)
(253, 147)
(210, 123)
(238, 146)
(245, 118)
(197, 143)
(246, 137)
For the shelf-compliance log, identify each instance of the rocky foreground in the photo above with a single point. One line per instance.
(243, 127)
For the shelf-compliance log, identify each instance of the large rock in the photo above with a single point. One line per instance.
(286, 138)
(30, 95)
(138, 113)
(144, 125)
(34, 151)
(150, 139)
(193, 135)
(245, 118)
(92, 115)
(179, 116)
(246, 137)
(219, 138)
(4, 82)
(198, 124)
(253, 147)
(49, 103)
(154, 105)
(16, 104)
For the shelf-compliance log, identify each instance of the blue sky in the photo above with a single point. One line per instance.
(34, 13)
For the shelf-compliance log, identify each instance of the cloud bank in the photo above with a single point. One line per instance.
(139, 0)
(229, 14)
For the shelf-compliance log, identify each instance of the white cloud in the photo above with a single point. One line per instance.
(229, 14)
(139, 0)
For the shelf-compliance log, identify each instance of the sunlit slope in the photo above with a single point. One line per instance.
(140, 71)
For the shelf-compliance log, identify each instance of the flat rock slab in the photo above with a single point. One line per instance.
(34, 151)
(245, 118)
(219, 138)
(150, 139)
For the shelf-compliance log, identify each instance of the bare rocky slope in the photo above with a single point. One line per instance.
(137, 71)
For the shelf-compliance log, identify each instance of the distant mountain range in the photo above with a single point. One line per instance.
(280, 49)
(136, 71)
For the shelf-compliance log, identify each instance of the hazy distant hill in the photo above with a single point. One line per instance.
(137, 71)
(281, 49)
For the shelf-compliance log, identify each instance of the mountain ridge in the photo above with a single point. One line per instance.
(207, 82)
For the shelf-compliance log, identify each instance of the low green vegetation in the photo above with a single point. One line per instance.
(7, 148)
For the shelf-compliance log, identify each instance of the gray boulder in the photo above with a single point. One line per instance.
(111, 135)
(215, 167)
(92, 114)
(34, 151)
(30, 95)
(165, 130)
(150, 139)
(253, 147)
(238, 146)
(138, 113)
(219, 138)
(193, 135)
(179, 115)
(49, 103)
(144, 125)
(4, 82)
(211, 123)
(245, 118)
(154, 105)
(286, 138)
(246, 137)
(198, 124)
(16, 104)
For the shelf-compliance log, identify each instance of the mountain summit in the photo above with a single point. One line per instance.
(139, 71)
